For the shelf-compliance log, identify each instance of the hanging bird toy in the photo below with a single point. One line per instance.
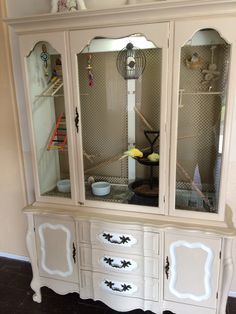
(89, 68)
(195, 62)
(45, 57)
(211, 74)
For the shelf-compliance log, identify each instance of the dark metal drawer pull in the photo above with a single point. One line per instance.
(167, 268)
(109, 237)
(76, 120)
(123, 263)
(123, 287)
(74, 253)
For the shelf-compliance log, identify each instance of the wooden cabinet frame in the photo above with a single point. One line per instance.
(176, 22)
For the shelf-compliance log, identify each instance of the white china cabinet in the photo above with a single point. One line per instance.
(129, 112)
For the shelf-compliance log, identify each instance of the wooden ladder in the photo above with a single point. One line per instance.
(58, 139)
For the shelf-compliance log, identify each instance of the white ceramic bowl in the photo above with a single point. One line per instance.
(63, 186)
(101, 4)
(101, 188)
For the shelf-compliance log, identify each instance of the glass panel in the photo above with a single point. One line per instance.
(120, 86)
(49, 121)
(202, 102)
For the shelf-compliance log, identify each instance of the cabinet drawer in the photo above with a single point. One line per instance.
(107, 261)
(123, 286)
(115, 237)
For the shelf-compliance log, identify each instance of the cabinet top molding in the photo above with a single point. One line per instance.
(125, 15)
(161, 222)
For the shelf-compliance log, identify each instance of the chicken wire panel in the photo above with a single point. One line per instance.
(104, 116)
(148, 102)
(200, 120)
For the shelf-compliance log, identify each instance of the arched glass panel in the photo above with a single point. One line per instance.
(120, 86)
(204, 71)
(46, 94)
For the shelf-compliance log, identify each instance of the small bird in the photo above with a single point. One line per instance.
(153, 157)
(133, 152)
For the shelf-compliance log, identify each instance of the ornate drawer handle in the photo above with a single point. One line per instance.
(74, 253)
(123, 287)
(76, 120)
(123, 263)
(167, 268)
(109, 237)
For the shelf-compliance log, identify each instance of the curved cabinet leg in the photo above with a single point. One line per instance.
(31, 246)
(37, 296)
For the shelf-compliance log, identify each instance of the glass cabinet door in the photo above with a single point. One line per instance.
(120, 85)
(204, 61)
(48, 116)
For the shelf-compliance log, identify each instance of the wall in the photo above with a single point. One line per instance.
(12, 194)
(16, 8)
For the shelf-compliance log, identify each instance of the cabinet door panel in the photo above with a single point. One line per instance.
(113, 97)
(192, 269)
(56, 248)
(201, 115)
(48, 100)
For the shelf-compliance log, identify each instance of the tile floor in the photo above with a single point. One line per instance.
(16, 295)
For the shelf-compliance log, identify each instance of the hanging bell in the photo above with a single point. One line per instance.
(131, 62)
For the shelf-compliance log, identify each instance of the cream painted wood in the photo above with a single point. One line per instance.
(192, 269)
(31, 246)
(150, 274)
(169, 24)
(91, 286)
(184, 31)
(126, 264)
(143, 221)
(143, 289)
(226, 274)
(129, 15)
(58, 42)
(114, 237)
(159, 35)
(165, 37)
(59, 286)
(56, 248)
(180, 308)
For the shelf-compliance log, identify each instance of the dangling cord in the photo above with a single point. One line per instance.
(90, 74)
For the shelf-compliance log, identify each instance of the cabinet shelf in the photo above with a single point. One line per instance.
(52, 96)
(182, 92)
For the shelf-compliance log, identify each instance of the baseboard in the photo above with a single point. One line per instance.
(232, 294)
(13, 256)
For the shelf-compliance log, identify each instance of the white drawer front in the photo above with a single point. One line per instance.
(112, 237)
(107, 261)
(117, 238)
(125, 286)
(92, 287)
